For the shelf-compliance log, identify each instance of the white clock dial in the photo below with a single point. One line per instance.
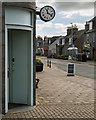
(47, 13)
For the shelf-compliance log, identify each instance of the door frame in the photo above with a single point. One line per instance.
(20, 27)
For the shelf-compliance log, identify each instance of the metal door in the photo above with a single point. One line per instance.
(19, 65)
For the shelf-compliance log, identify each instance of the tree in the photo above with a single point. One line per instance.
(39, 37)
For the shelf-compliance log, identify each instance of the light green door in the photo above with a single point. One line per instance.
(19, 65)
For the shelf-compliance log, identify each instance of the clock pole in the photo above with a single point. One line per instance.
(37, 12)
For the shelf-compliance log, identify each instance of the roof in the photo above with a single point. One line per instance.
(54, 38)
(76, 35)
(55, 42)
(92, 19)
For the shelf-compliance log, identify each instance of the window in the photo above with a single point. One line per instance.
(63, 41)
(90, 25)
(58, 42)
(94, 37)
(37, 44)
(70, 41)
(49, 41)
(87, 37)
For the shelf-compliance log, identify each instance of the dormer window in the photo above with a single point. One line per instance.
(37, 44)
(90, 26)
(58, 42)
(94, 37)
(70, 41)
(63, 41)
(49, 41)
(87, 36)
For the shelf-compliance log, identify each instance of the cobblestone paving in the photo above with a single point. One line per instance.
(60, 97)
(57, 111)
(56, 87)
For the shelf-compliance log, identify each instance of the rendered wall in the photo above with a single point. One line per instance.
(30, 6)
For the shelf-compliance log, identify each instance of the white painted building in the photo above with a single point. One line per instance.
(18, 38)
(52, 47)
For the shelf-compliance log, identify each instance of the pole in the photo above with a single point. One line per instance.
(47, 63)
(50, 64)
(72, 40)
(37, 12)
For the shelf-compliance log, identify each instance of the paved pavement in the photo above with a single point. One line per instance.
(60, 97)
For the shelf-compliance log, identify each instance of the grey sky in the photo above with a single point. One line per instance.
(66, 12)
(67, 6)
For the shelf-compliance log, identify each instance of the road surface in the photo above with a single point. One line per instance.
(81, 69)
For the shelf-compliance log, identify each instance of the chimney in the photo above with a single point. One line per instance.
(71, 30)
(87, 26)
(75, 29)
(68, 30)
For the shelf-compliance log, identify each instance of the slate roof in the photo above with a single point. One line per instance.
(54, 38)
(92, 19)
(76, 35)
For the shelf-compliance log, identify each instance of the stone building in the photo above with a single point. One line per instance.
(52, 47)
(90, 38)
(17, 54)
(39, 46)
(47, 43)
(74, 38)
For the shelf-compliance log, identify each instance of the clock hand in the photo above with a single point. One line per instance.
(47, 10)
(50, 14)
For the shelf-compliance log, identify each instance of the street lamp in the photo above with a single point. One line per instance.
(72, 33)
(72, 39)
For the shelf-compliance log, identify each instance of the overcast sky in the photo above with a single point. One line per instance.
(66, 12)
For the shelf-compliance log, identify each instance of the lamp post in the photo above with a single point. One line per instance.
(72, 39)
(72, 33)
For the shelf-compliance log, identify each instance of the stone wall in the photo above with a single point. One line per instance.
(79, 43)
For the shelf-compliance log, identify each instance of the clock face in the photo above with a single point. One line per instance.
(47, 13)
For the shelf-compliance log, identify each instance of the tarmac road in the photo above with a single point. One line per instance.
(81, 69)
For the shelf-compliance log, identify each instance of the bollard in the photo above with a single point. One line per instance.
(47, 63)
(50, 64)
(37, 81)
(81, 57)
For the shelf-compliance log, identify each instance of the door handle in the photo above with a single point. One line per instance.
(13, 60)
(8, 73)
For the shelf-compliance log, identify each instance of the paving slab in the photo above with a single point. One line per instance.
(56, 87)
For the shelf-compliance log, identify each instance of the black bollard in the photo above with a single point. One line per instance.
(47, 63)
(37, 81)
(50, 64)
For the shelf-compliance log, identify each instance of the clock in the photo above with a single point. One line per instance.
(47, 13)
